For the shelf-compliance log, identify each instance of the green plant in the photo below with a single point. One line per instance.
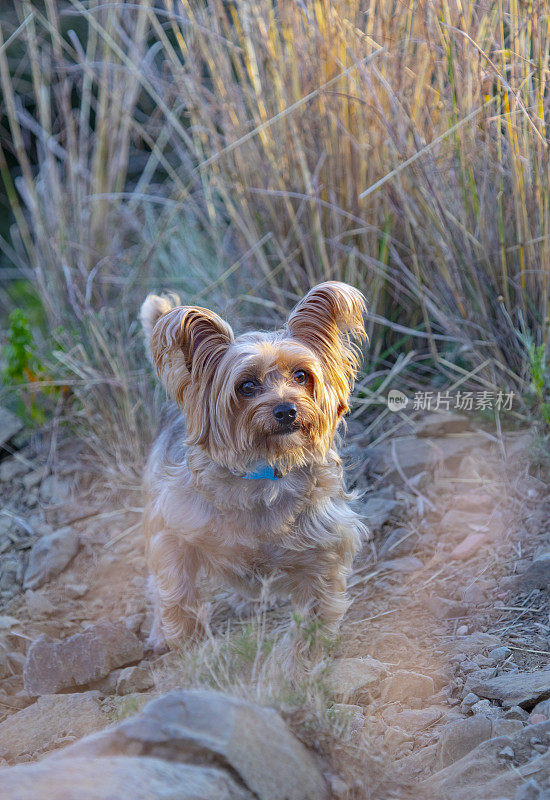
(540, 378)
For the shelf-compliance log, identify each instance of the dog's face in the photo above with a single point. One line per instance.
(275, 397)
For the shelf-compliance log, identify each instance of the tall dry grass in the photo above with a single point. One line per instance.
(242, 151)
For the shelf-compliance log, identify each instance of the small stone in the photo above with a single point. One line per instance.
(134, 621)
(351, 715)
(49, 556)
(81, 659)
(397, 543)
(75, 590)
(470, 700)
(7, 622)
(395, 738)
(516, 713)
(442, 608)
(38, 605)
(138, 678)
(32, 479)
(10, 425)
(542, 708)
(347, 676)
(528, 791)
(416, 720)
(499, 654)
(506, 752)
(534, 718)
(441, 423)
(12, 468)
(485, 708)
(468, 546)
(405, 564)
(536, 576)
(377, 511)
(462, 630)
(403, 685)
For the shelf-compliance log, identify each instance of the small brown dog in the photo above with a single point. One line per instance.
(245, 483)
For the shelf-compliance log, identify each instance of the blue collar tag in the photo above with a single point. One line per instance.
(263, 471)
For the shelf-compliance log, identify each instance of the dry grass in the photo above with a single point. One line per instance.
(241, 152)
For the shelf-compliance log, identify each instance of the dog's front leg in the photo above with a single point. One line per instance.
(174, 565)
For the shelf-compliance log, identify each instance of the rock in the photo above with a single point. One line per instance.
(499, 654)
(35, 477)
(536, 576)
(212, 728)
(12, 468)
(119, 778)
(528, 791)
(516, 713)
(477, 641)
(405, 564)
(542, 708)
(80, 659)
(54, 490)
(462, 630)
(486, 772)
(50, 722)
(75, 590)
(10, 425)
(415, 720)
(485, 709)
(377, 511)
(7, 622)
(470, 700)
(138, 678)
(442, 608)
(416, 455)
(523, 689)
(134, 621)
(397, 543)
(49, 556)
(38, 605)
(441, 423)
(403, 685)
(350, 715)
(348, 676)
(395, 738)
(468, 546)
(534, 718)
(506, 727)
(459, 737)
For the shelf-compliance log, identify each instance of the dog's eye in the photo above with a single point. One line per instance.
(248, 388)
(300, 376)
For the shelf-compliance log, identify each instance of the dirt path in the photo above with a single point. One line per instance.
(439, 606)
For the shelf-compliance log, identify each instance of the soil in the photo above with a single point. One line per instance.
(418, 602)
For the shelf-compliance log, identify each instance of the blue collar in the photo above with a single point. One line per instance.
(263, 471)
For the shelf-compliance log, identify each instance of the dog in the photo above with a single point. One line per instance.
(243, 482)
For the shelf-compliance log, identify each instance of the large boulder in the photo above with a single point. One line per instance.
(186, 744)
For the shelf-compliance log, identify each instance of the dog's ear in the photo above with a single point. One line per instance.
(186, 343)
(329, 320)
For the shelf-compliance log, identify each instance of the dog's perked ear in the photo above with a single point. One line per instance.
(186, 345)
(329, 320)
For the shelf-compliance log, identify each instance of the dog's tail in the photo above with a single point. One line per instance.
(154, 307)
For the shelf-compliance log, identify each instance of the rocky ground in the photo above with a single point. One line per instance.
(440, 669)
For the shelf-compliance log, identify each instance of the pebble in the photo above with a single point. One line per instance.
(403, 685)
(499, 654)
(506, 752)
(75, 590)
(462, 630)
(49, 556)
(516, 712)
(468, 546)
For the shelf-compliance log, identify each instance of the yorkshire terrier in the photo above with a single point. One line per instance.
(243, 482)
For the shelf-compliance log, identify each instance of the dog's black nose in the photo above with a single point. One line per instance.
(285, 413)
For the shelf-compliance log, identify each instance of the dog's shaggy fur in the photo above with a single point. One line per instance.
(203, 515)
